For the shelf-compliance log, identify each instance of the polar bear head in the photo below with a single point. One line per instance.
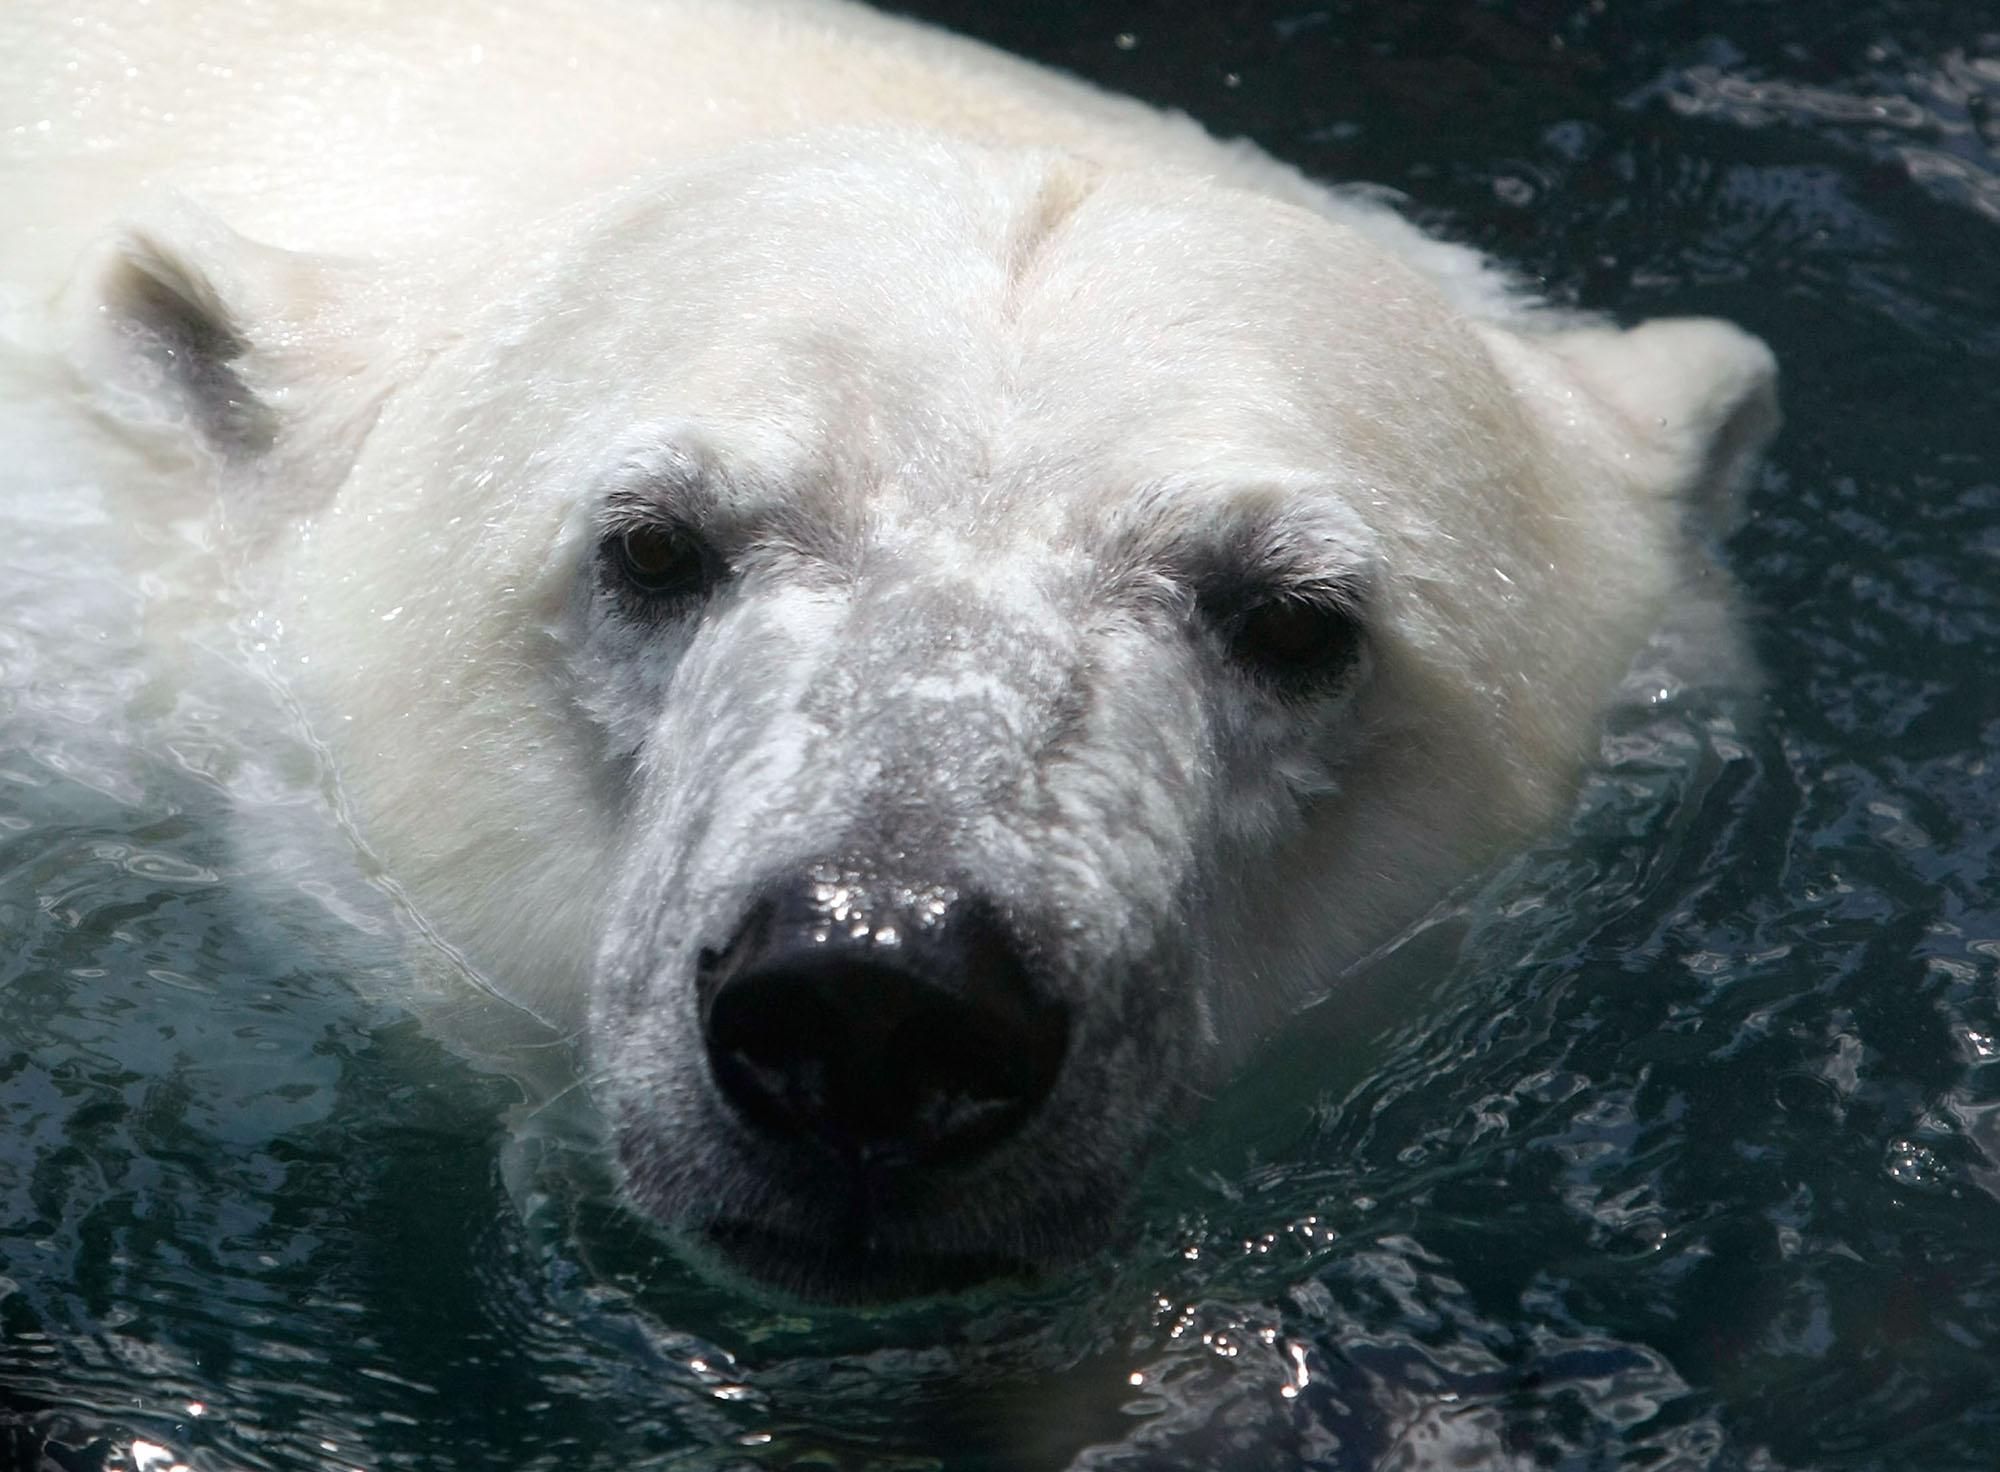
(924, 654)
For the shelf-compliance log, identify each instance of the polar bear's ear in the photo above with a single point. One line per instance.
(187, 325)
(1687, 403)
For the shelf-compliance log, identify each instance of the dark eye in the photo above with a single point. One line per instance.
(663, 561)
(1300, 642)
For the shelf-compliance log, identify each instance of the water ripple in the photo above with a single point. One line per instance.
(1939, 121)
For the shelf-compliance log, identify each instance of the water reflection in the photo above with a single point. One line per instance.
(1937, 120)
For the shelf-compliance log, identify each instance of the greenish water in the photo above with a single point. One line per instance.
(1676, 1144)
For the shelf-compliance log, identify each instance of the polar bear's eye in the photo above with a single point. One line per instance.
(1299, 641)
(662, 561)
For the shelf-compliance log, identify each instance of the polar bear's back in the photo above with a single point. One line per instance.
(371, 129)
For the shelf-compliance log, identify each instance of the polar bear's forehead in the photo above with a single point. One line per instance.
(975, 331)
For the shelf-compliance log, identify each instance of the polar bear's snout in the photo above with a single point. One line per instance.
(900, 971)
(889, 1026)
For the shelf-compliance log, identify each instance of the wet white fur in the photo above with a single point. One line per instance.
(969, 360)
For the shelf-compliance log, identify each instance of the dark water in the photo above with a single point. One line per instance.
(1676, 1145)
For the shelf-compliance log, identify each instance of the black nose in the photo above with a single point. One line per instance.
(894, 1030)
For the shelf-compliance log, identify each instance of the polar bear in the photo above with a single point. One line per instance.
(917, 607)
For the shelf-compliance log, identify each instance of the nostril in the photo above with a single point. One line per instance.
(932, 1046)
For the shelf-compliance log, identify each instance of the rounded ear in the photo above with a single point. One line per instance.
(264, 359)
(1684, 405)
(178, 324)
(174, 313)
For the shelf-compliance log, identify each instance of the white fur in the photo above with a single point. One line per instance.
(967, 365)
